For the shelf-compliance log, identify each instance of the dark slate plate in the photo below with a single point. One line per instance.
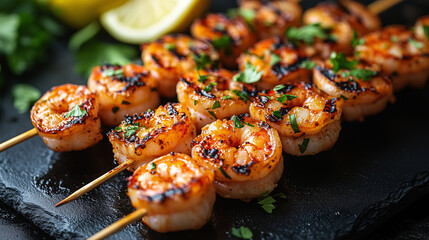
(377, 168)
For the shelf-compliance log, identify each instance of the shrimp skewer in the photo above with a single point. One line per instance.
(364, 96)
(244, 153)
(279, 62)
(173, 55)
(307, 120)
(172, 193)
(123, 90)
(217, 96)
(66, 117)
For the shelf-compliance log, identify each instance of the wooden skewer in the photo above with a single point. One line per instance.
(88, 187)
(137, 214)
(381, 5)
(20, 138)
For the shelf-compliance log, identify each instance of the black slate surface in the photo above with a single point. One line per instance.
(377, 168)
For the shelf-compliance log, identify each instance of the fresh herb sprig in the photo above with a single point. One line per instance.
(248, 75)
(267, 201)
(307, 33)
(242, 232)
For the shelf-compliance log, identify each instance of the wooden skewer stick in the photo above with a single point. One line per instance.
(134, 216)
(88, 187)
(382, 5)
(20, 138)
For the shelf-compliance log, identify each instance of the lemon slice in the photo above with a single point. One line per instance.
(139, 21)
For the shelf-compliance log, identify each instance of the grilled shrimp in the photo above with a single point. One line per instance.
(340, 21)
(308, 120)
(362, 96)
(215, 97)
(123, 90)
(245, 154)
(400, 55)
(279, 63)
(144, 136)
(422, 28)
(173, 55)
(177, 193)
(230, 36)
(271, 18)
(66, 117)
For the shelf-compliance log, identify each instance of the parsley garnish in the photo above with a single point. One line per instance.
(344, 97)
(242, 95)
(195, 102)
(248, 75)
(340, 61)
(152, 166)
(113, 73)
(242, 232)
(303, 145)
(274, 59)
(277, 114)
(131, 130)
(426, 31)
(237, 122)
(416, 44)
(210, 87)
(224, 172)
(24, 96)
(363, 74)
(226, 97)
(356, 41)
(170, 46)
(213, 114)
(202, 78)
(285, 97)
(306, 33)
(267, 201)
(223, 42)
(249, 124)
(202, 61)
(279, 87)
(308, 64)
(216, 104)
(75, 112)
(115, 109)
(293, 124)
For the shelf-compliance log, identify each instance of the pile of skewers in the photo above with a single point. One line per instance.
(226, 135)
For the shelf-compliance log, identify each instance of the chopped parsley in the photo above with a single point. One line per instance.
(303, 145)
(416, 44)
(268, 201)
(209, 87)
(224, 172)
(356, 41)
(212, 114)
(152, 166)
(226, 97)
(75, 112)
(363, 74)
(279, 87)
(24, 96)
(248, 75)
(113, 73)
(426, 31)
(285, 97)
(216, 104)
(202, 78)
(249, 124)
(223, 42)
(237, 122)
(293, 124)
(115, 109)
(274, 59)
(308, 64)
(195, 102)
(242, 232)
(340, 61)
(170, 46)
(242, 95)
(277, 114)
(131, 130)
(202, 61)
(306, 33)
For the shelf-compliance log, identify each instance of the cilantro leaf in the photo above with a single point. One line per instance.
(152, 166)
(285, 97)
(249, 124)
(356, 41)
(426, 31)
(237, 122)
(340, 61)
(216, 104)
(212, 114)
(303, 145)
(394, 38)
(96, 53)
(242, 232)
(76, 111)
(9, 24)
(277, 114)
(308, 64)
(268, 201)
(293, 123)
(249, 75)
(224, 173)
(274, 59)
(279, 87)
(306, 33)
(242, 95)
(113, 73)
(363, 74)
(131, 130)
(416, 44)
(170, 46)
(226, 97)
(202, 61)
(24, 96)
(223, 43)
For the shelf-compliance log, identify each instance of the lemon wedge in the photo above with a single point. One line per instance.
(139, 21)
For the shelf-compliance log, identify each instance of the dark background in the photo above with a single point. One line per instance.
(383, 155)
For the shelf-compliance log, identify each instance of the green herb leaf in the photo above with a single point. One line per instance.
(356, 41)
(212, 114)
(202, 61)
(152, 166)
(202, 78)
(426, 31)
(308, 64)
(279, 87)
(303, 145)
(242, 232)
(268, 201)
(394, 38)
(96, 53)
(249, 124)
(344, 97)
(226, 97)
(224, 173)
(237, 122)
(363, 74)
(340, 61)
(208, 88)
(84, 35)
(416, 44)
(274, 59)
(75, 112)
(115, 109)
(113, 73)
(131, 130)
(293, 124)
(9, 25)
(24, 96)
(169, 46)
(249, 75)
(216, 104)
(242, 95)
(223, 43)
(285, 97)
(195, 102)
(277, 114)
(306, 33)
